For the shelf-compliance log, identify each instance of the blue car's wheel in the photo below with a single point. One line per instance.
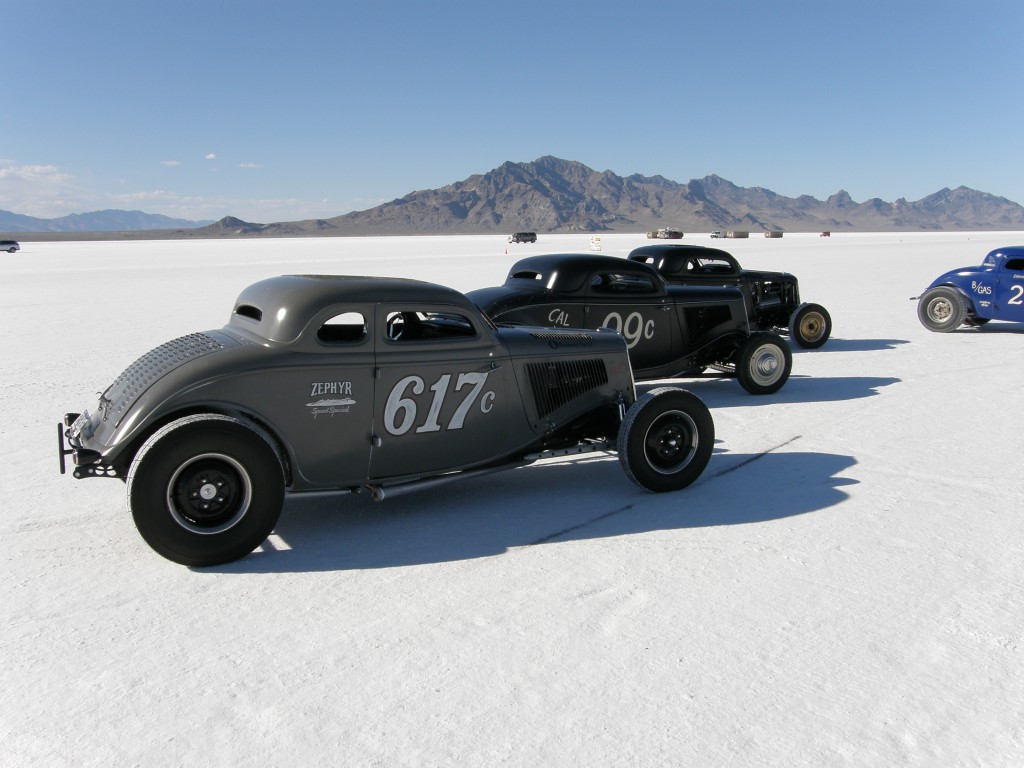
(941, 309)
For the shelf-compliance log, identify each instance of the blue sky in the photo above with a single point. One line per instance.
(274, 111)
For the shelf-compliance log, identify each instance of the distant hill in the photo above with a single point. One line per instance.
(96, 221)
(554, 195)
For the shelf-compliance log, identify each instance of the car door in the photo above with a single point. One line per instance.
(636, 305)
(442, 391)
(1009, 291)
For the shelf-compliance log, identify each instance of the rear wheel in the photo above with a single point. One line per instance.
(205, 490)
(666, 439)
(941, 309)
(763, 363)
(810, 326)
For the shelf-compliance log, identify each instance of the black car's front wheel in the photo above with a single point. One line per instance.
(666, 439)
(941, 309)
(205, 490)
(810, 326)
(763, 363)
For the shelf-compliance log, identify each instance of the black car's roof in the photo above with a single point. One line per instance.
(568, 272)
(282, 306)
(670, 256)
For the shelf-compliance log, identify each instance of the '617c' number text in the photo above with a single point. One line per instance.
(401, 410)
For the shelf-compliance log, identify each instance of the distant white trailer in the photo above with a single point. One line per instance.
(773, 233)
(734, 234)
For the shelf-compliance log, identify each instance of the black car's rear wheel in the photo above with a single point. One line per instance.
(810, 326)
(205, 490)
(763, 363)
(666, 439)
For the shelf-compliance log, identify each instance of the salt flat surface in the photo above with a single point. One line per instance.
(843, 585)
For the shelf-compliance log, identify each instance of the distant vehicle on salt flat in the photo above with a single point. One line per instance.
(523, 237)
(9, 245)
(665, 233)
(972, 296)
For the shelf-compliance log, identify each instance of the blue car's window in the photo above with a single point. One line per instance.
(344, 328)
(1015, 265)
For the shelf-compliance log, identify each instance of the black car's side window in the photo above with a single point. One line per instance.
(616, 283)
(343, 328)
(428, 326)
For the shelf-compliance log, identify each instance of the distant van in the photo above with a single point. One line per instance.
(523, 237)
(9, 245)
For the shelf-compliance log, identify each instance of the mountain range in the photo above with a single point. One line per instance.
(555, 195)
(94, 221)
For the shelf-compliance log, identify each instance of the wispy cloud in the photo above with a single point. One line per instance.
(170, 163)
(250, 165)
(211, 155)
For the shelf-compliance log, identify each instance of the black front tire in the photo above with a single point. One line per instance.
(666, 439)
(205, 490)
(810, 326)
(763, 363)
(941, 309)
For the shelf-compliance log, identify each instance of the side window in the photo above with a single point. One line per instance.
(1015, 265)
(420, 325)
(343, 328)
(617, 283)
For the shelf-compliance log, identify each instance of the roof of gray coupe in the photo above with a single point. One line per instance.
(281, 307)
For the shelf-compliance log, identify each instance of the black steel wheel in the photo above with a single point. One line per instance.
(666, 439)
(205, 490)
(810, 326)
(763, 363)
(941, 309)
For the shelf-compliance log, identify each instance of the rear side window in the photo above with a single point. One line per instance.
(1017, 265)
(343, 328)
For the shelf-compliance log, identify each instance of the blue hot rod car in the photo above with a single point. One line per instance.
(974, 295)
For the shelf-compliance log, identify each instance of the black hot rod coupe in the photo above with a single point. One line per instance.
(333, 383)
(671, 330)
(773, 298)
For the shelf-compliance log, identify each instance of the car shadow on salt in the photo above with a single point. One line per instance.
(725, 391)
(851, 345)
(997, 327)
(539, 505)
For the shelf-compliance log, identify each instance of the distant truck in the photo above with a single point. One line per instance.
(665, 233)
(523, 237)
(735, 234)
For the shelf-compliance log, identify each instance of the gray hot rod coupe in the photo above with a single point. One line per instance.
(671, 330)
(333, 383)
(773, 298)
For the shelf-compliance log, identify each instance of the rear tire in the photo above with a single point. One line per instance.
(205, 490)
(810, 326)
(666, 439)
(763, 363)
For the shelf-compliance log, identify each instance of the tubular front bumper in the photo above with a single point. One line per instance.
(87, 462)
